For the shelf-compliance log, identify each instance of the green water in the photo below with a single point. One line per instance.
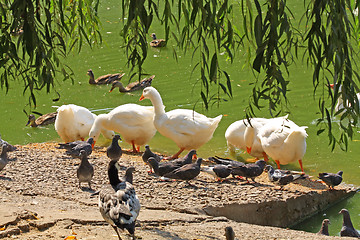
(176, 86)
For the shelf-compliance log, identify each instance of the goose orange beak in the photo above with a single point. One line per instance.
(142, 97)
(92, 145)
(112, 88)
(248, 150)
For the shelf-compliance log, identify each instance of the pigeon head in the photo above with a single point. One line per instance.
(198, 161)
(129, 174)
(117, 137)
(229, 233)
(269, 168)
(326, 222)
(90, 140)
(344, 211)
(261, 163)
(154, 164)
(83, 153)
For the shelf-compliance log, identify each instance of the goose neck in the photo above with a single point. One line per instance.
(157, 102)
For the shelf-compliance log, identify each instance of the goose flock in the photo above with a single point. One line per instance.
(279, 139)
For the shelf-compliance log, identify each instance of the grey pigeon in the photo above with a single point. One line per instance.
(226, 161)
(324, 230)
(80, 145)
(9, 147)
(187, 159)
(161, 168)
(85, 171)
(118, 203)
(3, 156)
(347, 229)
(250, 170)
(187, 172)
(282, 177)
(331, 179)
(219, 171)
(114, 151)
(229, 233)
(147, 154)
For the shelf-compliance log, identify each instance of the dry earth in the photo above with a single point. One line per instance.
(41, 199)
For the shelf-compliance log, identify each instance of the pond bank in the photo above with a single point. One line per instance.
(40, 182)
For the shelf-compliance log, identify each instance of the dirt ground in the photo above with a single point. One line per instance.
(40, 199)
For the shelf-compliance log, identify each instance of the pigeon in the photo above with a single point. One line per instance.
(3, 156)
(187, 159)
(226, 161)
(148, 153)
(186, 172)
(78, 146)
(347, 229)
(229, 233)
(331, 179)
(324, 230)
(282, 177)
(161, 168)
(219, 171)
(250, 170)
(10, 148)
(114, 151)
(85, 171)
(118, 203)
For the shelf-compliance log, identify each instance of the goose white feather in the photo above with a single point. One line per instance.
(243, 135)
(340, 101)
(74, 123)
(133, 122)
(187, 128)
(284, 143)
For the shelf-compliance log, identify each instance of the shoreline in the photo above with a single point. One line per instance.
(40, 180)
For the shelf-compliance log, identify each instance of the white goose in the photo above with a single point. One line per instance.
(243, 135)
(187, 128)
(133, 122)
(284, 143)
(235, 136)
(340, 101)
(74, 122)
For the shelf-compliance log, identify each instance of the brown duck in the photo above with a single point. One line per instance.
(157, 42)
(43, 120)
(105, 79)
(134, 86)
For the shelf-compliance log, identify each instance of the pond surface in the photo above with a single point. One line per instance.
(176, 86)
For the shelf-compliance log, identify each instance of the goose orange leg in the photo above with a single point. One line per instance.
(176, 155)
(134, 148)
(278, 164)
(265, 157)
(301, 165)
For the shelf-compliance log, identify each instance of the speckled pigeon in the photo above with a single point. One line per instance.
(282, 177)
(118, 202)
